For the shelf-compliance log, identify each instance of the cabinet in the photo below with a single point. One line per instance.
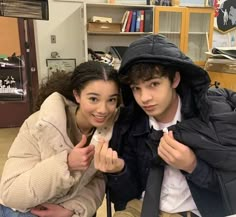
(101, 41)
(191, 29)
(227, 80)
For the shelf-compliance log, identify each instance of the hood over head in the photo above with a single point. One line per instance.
(158, 50)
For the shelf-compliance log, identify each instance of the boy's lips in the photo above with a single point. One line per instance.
(149, 107)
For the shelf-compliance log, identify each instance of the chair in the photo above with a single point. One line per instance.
(108, 203)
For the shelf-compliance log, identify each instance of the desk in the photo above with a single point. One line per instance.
(227, 80)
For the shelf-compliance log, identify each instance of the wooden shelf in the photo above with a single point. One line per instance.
(119, 33)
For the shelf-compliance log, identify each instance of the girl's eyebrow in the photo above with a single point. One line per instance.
(96, 94)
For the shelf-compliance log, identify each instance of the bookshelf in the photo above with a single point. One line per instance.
(103, 40)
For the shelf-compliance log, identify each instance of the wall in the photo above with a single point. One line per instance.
(64, 16)
(9, 40)
(62, 24)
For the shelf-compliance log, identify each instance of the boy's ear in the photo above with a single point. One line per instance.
(176, 80)
(76, 95)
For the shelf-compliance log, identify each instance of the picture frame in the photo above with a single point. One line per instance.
(60, 64)
(225, 16)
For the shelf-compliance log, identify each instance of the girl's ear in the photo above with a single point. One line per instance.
(76, 95)
(176, 80)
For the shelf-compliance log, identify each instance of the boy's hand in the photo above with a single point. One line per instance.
(176, 154)
(107, 160)
(80, 157)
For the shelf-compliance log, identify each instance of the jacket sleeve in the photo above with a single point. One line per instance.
(125, 185)
(89, 199)
(28, 177)
(204, 176)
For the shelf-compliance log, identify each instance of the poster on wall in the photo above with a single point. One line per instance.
(55, 65)
(225, 15)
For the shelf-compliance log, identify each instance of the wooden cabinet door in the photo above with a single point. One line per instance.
(198, 33)
(169, 21)
(227, 80)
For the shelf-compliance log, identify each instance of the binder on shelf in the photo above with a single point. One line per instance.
(142, 21)
(137, 28)
(128, 25)
(133, 22)
(148, 21)
(124, 23)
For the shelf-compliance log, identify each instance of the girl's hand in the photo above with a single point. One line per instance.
(107, 160)
(81, 157)
(51, 210)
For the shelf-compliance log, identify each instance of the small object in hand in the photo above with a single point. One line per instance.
(165, 130)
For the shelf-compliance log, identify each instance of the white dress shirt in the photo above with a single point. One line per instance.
(175, 194)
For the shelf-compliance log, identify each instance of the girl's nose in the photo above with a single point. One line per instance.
(102, 108)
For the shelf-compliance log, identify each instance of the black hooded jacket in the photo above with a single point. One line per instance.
(208, 126)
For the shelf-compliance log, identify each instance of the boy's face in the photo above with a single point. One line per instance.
(157, 97)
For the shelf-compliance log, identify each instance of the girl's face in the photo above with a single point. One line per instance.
(97, 103)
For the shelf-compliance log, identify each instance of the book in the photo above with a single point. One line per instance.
(148, 21)
(138, 19)
(142, 21)
(128, 25)
(124, 20)
(133, 22)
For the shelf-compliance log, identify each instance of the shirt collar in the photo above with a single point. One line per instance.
(159, 126)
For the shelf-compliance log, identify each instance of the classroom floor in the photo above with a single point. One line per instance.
(7, 136)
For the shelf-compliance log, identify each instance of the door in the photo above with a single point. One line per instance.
(18, 71)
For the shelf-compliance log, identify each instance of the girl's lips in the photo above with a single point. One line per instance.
(99, 119)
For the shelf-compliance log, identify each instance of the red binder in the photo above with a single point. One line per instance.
(127, 28)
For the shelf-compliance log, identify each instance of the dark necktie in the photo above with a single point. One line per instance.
(151, 199)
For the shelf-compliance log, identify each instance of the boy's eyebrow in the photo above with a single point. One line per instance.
(147, 79)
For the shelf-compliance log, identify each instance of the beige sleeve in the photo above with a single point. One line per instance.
(89, 199)
(28, 177)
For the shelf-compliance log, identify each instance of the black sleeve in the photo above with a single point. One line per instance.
(125, 185)
(204, 176)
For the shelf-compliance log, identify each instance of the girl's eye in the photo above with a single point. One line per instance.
(93, 99)
(113, 100)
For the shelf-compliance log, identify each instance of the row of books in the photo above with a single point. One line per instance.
(137, 21)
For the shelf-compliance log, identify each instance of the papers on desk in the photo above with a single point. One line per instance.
(223, 52)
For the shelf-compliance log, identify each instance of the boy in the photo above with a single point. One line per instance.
(164, 89)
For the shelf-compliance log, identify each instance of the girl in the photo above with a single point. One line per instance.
(50, 171)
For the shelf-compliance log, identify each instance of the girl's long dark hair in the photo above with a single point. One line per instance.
(65, 82)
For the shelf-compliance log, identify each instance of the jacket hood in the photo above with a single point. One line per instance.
(157, 49)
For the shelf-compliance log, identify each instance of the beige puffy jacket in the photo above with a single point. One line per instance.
(37, 172)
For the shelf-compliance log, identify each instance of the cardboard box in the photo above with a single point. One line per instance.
(104, 27)
(101, 19)
(221, 65)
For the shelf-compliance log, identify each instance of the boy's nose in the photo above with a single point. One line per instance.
(145, 96)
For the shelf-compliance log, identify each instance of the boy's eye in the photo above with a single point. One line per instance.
(134, 88)
(154, 84)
